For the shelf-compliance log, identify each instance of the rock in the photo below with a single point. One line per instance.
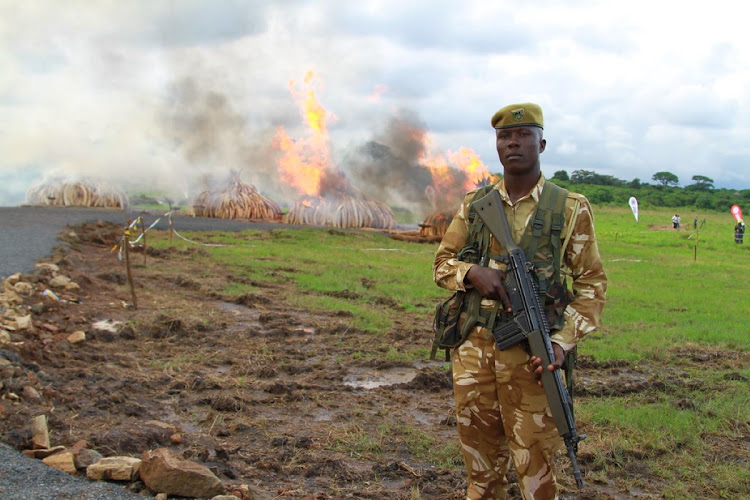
(72, 286)
(47, 266)
(30, 394)
(86, 457)
(78, 446)
(23, 288)
(246, 492)
(11, 280)
(176, 438)
(114, 469)
(39, 432)
(59, 281)
(163, 472)
(107, 325)
(24, 322)
(9, 297)
(61, 461)
(4, 337)
(37, 308)
(226, 497)
(76, 337)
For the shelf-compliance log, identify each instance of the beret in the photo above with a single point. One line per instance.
(518, 115)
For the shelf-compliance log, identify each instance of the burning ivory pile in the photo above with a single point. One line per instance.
(436, 224)
(238, 201)
(76, 194)
(342, 211)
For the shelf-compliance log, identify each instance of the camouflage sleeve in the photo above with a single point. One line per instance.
(447, 271)
(589, 285)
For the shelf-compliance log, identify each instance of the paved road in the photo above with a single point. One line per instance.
(30, 233)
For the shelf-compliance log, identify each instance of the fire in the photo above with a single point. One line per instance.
(304, 161)
(457, 171)
(469, 162)
(453, 174)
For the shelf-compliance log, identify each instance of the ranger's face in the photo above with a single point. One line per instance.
(519, 148)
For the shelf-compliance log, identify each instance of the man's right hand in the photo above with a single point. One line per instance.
(489, 283)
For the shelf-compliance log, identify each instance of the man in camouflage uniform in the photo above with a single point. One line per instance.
(501, 408)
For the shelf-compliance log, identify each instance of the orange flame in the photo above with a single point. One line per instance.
(305, 160)
(470, 163)
(443, 170)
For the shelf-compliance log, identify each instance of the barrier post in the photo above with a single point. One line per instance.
(171, 227)
(128, 274)
(143, 235)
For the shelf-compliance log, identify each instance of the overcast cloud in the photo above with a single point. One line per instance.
(163, 95)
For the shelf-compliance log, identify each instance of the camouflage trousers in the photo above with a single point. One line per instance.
(502, 413)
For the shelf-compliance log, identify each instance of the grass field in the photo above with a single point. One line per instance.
(676, 318)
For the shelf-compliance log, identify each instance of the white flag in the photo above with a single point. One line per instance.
(634, 207)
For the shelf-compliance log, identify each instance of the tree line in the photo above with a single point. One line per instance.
(665, 192)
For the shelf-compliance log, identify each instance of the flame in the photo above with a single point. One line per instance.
(469, 162)
(305, 160)
(295, 169)
(444, 169)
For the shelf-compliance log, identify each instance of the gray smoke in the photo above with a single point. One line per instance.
(205, 127)
(387, 167)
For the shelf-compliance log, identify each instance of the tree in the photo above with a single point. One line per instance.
(591, 177)
(702, 182)
(666, 178)
(561, 175)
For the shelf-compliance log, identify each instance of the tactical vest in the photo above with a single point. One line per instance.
(541, 242)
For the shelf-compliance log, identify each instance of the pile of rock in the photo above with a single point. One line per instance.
(23, 295)
(159, 470)
(23, 299)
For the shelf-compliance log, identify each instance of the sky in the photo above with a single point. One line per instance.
(167, 96)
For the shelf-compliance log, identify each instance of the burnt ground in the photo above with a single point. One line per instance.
(295, 403)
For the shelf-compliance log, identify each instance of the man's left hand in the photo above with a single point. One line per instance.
(536, 363)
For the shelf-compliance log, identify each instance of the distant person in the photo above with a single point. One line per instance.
(739, 231)
(695, 222)
(676, 221)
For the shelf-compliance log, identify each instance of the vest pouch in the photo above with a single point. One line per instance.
(556, 299)
(447, 324)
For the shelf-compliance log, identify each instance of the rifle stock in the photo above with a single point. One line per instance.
(530, 322)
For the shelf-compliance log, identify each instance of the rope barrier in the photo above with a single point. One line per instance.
(199, 243)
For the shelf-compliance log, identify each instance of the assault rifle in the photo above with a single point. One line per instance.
(530, 322)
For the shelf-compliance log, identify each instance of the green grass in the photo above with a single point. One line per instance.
(320, 264)
(665, 290)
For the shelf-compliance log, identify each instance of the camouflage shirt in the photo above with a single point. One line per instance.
(581, 259)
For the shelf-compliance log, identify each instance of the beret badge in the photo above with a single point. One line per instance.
(518, 114)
